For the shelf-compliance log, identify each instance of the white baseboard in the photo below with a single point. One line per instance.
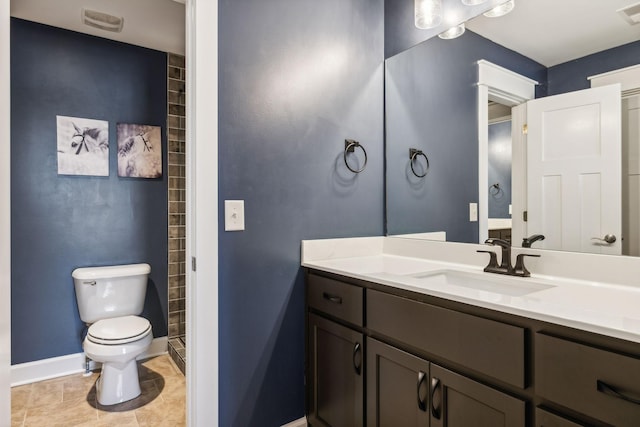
(302, 422)
(40, 370)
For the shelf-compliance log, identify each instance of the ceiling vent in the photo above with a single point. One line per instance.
(102, 21)
(631, 13)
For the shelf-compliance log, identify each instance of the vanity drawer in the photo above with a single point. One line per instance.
(492, 348)
(588, 380)
(336, 298)
(547, 419)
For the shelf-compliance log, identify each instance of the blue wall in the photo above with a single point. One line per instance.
(296, 79)
(63, 222)
(500, 169)
(431, 104)
(572, 75)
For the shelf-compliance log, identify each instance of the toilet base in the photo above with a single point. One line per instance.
(118, 383)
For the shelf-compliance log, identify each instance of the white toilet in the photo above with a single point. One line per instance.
(110, 300)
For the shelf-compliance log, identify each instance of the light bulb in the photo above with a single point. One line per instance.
(453, 32)
(428, 13)
(501, 10)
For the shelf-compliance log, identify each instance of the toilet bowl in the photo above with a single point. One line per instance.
(110, 300)
(116, 343)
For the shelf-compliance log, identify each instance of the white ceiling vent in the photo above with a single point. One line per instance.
(631, 13)
(102, 21)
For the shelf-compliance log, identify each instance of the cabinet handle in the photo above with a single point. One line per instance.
(436, 402)
(357, 358)
(333, 298)
(422, 401)
(613, 391)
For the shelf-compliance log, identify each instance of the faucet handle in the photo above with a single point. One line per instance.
(493, 260)
(520, 269)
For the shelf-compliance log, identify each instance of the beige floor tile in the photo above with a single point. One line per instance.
(156, 367)
(149, 393)
(159, 414)
(20, 397)
(17, 417)
(79, 387)
(45, 393)
(173, 388)
(65, 414)
(119, 419)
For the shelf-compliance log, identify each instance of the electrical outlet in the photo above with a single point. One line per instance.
(233, 215)
(473, 212)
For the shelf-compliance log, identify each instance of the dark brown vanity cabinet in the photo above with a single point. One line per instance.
(335, 354)
(381, 356)
(337, 374)
(405, 390)
(397, 387)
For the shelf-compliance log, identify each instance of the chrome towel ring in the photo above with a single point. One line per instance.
(413, 155)
(349, 147)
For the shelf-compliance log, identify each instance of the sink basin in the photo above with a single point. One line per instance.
(482, 282)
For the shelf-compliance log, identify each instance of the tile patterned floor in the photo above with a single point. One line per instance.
(71, 401)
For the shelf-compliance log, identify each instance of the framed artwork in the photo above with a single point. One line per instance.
(139, 151)
(83, 146)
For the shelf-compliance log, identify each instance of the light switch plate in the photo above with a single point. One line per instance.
(473, 212)
(233, 215)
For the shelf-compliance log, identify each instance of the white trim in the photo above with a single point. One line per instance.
(629, 78)
(5, 213)
(54, 367)
(302, 422)
(202, 212)
(509, 88)
(506, 87)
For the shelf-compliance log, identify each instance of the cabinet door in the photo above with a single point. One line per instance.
(397, 387)
(335, 374)
(457, 401)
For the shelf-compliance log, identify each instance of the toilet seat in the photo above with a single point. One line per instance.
(119, 330)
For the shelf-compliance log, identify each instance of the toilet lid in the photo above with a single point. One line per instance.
(119, 330)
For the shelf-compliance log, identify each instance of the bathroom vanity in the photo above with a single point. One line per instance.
(397, 340)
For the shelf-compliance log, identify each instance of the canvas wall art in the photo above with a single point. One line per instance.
(139, 151)
(83, 146)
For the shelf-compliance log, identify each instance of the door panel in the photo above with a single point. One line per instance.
(574, 170)
(336, 374)
(397, 387)
(457, 401)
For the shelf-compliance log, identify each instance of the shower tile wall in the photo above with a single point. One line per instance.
(176, 151)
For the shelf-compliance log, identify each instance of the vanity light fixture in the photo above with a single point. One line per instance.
(453, 32)
(501, 9)
(472, 2)
(428, 13)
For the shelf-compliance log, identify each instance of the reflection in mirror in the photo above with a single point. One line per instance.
(432, 104)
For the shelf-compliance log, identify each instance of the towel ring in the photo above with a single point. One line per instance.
(349, 147)
(413, 155)
(495, 189)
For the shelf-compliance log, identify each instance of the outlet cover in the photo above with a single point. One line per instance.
(473, 212)
(233, 215)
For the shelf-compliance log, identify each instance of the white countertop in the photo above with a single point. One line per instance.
(605, 308)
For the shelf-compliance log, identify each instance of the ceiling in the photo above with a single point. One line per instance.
(155, 24)
(555, 31)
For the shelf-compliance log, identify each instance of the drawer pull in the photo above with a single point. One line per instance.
(333, 298)
(422, 401)
(436, 402)
(613, 391)
(357, 358)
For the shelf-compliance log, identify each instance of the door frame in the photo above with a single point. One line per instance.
(506, 87)
(202, 212)
(5, 217)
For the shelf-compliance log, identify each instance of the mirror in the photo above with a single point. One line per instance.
(431, 97)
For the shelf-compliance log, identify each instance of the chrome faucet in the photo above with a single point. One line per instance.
(505, 266)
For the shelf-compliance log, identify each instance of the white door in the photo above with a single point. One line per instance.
(574, 170)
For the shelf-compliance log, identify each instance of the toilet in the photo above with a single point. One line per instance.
(110, 300)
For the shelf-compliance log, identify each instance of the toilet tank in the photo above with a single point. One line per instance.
(112, 291)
